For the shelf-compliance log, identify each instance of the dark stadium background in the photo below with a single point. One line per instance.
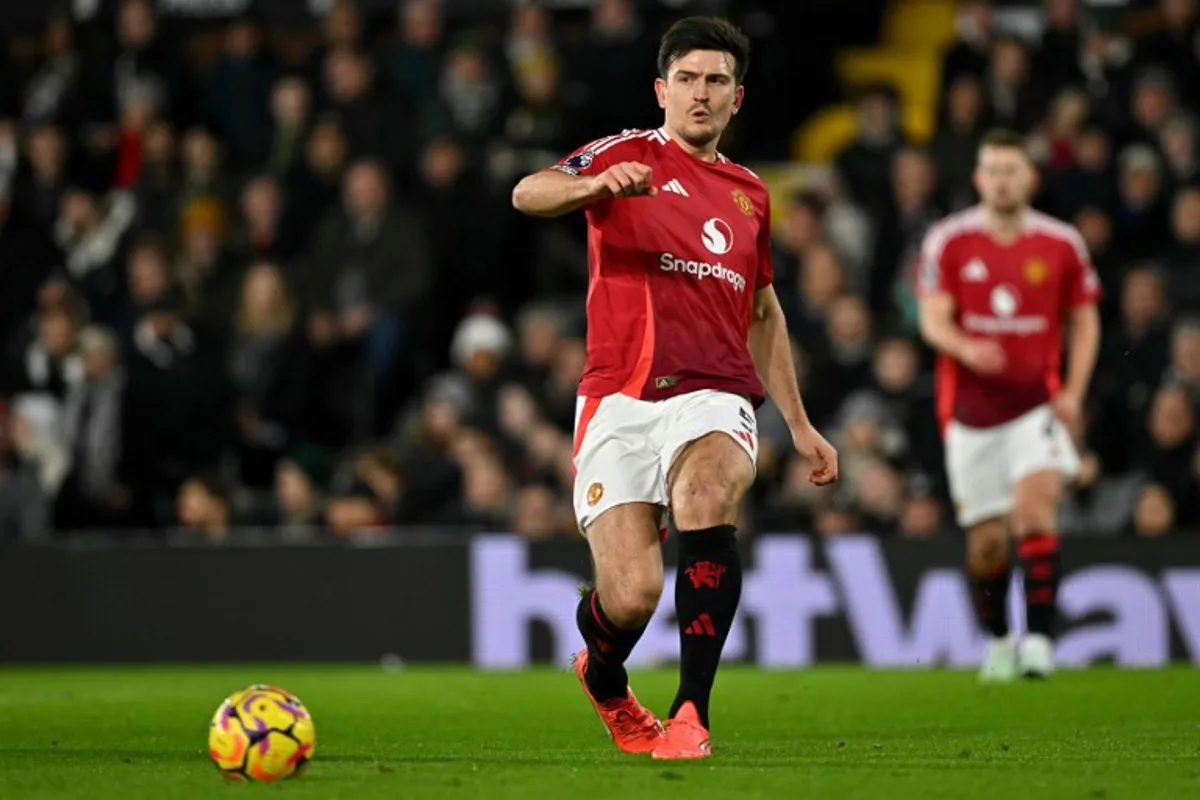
(189, 382)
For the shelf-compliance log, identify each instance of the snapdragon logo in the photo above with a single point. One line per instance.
(702, 269)
(803, 612)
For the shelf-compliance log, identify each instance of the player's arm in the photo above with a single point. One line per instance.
(940, 330)
(552, 192)
(937, 312)
(1083, 346)
(771, 349)
(1083, 331)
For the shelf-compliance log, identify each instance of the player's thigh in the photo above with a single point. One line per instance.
(977, 470)
(711, 450)
(627, 561)
(1041, 458)
(616, 462)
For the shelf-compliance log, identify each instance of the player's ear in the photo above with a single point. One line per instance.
(739, 97)
(660, 91)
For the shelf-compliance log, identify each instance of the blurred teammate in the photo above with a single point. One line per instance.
(682, 321)
(1001, 287)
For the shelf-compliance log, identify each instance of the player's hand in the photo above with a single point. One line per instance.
(819, 454)
(983, 356)
(1068, 406)
(627, 179)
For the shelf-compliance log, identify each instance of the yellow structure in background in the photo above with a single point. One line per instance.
(915, 34)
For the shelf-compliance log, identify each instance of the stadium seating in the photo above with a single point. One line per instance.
(908, 59)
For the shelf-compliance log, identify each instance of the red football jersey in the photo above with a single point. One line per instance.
(1017, 293)
(672, 277)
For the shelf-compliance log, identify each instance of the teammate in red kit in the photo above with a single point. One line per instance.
(682, 322)
(1001, 286)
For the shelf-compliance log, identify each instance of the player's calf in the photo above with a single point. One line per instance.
(1034, 520)
(990, 574)
(707, 484)
(612, 617)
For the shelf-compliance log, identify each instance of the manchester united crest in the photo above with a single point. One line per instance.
(744, 204)
(1036, 272)
(594, 493)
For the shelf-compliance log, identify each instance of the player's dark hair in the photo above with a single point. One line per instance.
(1006, 139)
(704, 33)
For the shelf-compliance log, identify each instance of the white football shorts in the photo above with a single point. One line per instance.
(624, 447)
(984, 464)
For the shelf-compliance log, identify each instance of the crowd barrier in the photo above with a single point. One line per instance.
(498, 602)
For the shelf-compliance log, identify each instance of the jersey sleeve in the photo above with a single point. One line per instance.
(933, 272)
(1083, 285)
(766, 267)
(595, 157)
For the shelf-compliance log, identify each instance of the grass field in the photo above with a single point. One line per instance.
(451, 733)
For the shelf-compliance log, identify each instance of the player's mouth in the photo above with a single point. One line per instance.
(700, 115)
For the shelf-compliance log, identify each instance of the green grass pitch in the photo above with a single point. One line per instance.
(827, 733)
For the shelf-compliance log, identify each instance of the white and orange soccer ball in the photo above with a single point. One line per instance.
(262, 733)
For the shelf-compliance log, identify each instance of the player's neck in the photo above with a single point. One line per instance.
(1005, 227)
(706, 153)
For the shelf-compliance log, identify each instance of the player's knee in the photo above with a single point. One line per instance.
(705, 499)
(1034, 517)
(987, 546)
(632, 604)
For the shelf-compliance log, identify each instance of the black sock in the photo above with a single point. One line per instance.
(1042, 564)
(608, 647)
(989, 592)
(707, 590)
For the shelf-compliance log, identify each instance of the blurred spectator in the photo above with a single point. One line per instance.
(91, 232)
(297, 510)
(915, 207)
(1155, 512)
(24, 505)
(237, 94)
(159, 183)
(370, 124)
(1177, 140)
(95, 423)
(367, 279)
(1152, 103)
(1167, 457)
(1183, 261)
(970, 52)
(178, 394)
(315, 185)
(290, 109)
(202, 509)
(1057, 61)
(268, 373)
(263, 232)
(1015, 100)
(1173, 47)
(205, 269)
(54, 93)
(1141, 219)
(39, 189)
(51, 363)
(955, 145)
(866, 164)
(617, 53)
(414, 63)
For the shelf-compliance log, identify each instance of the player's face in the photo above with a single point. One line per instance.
(700, 95)
(1004, 178)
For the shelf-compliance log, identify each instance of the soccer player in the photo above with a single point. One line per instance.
(682, 322)
(1002, 286)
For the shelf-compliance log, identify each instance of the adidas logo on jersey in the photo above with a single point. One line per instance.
(975, 271)
(676, 187)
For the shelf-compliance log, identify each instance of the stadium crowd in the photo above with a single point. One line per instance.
(272, 280)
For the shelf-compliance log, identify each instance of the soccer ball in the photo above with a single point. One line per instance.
(262, 733)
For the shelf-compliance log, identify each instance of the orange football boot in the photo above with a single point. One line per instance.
(685, 738)
(632, 727)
